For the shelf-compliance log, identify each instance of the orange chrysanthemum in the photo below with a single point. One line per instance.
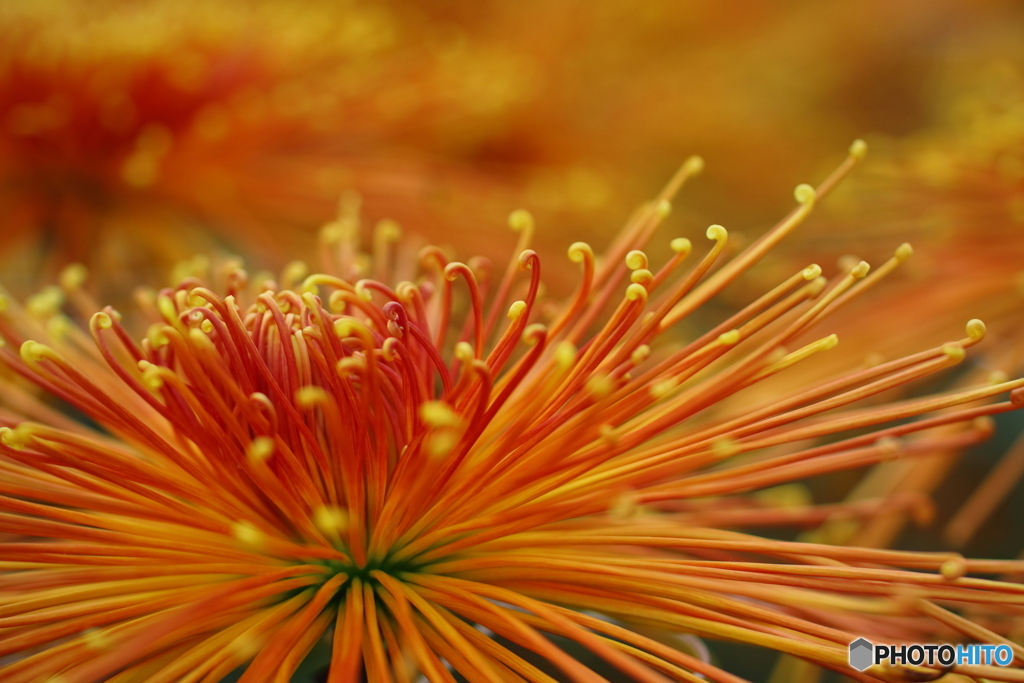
(349, 460)
(133, 133)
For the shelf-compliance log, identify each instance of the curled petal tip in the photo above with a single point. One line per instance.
(464, 351)
(640, 354)
(729, 338)
(636, 292)
(520, 220)
(73, 276)
(717, 233)
(534, 333)
(439, 414)
(955, 352)
(861, 270)
(261, 448)
(812, 272)
(858, 149)
(102, 321)
(636, 259)
(953, 569)
(681, 246)
(516, 309)
(247, 534)
(309, 397)
(805, 194)
(580, 251)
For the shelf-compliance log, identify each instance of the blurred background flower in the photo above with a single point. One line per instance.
(134, 132)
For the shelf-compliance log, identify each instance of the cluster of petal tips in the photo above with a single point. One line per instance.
(396, 471)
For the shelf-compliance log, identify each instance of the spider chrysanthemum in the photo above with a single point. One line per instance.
(134, 132)
(402, 471)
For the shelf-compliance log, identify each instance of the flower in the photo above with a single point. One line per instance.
(133, 134)
(328, 456)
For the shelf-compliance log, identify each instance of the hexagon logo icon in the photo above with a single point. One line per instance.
(861, 654)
